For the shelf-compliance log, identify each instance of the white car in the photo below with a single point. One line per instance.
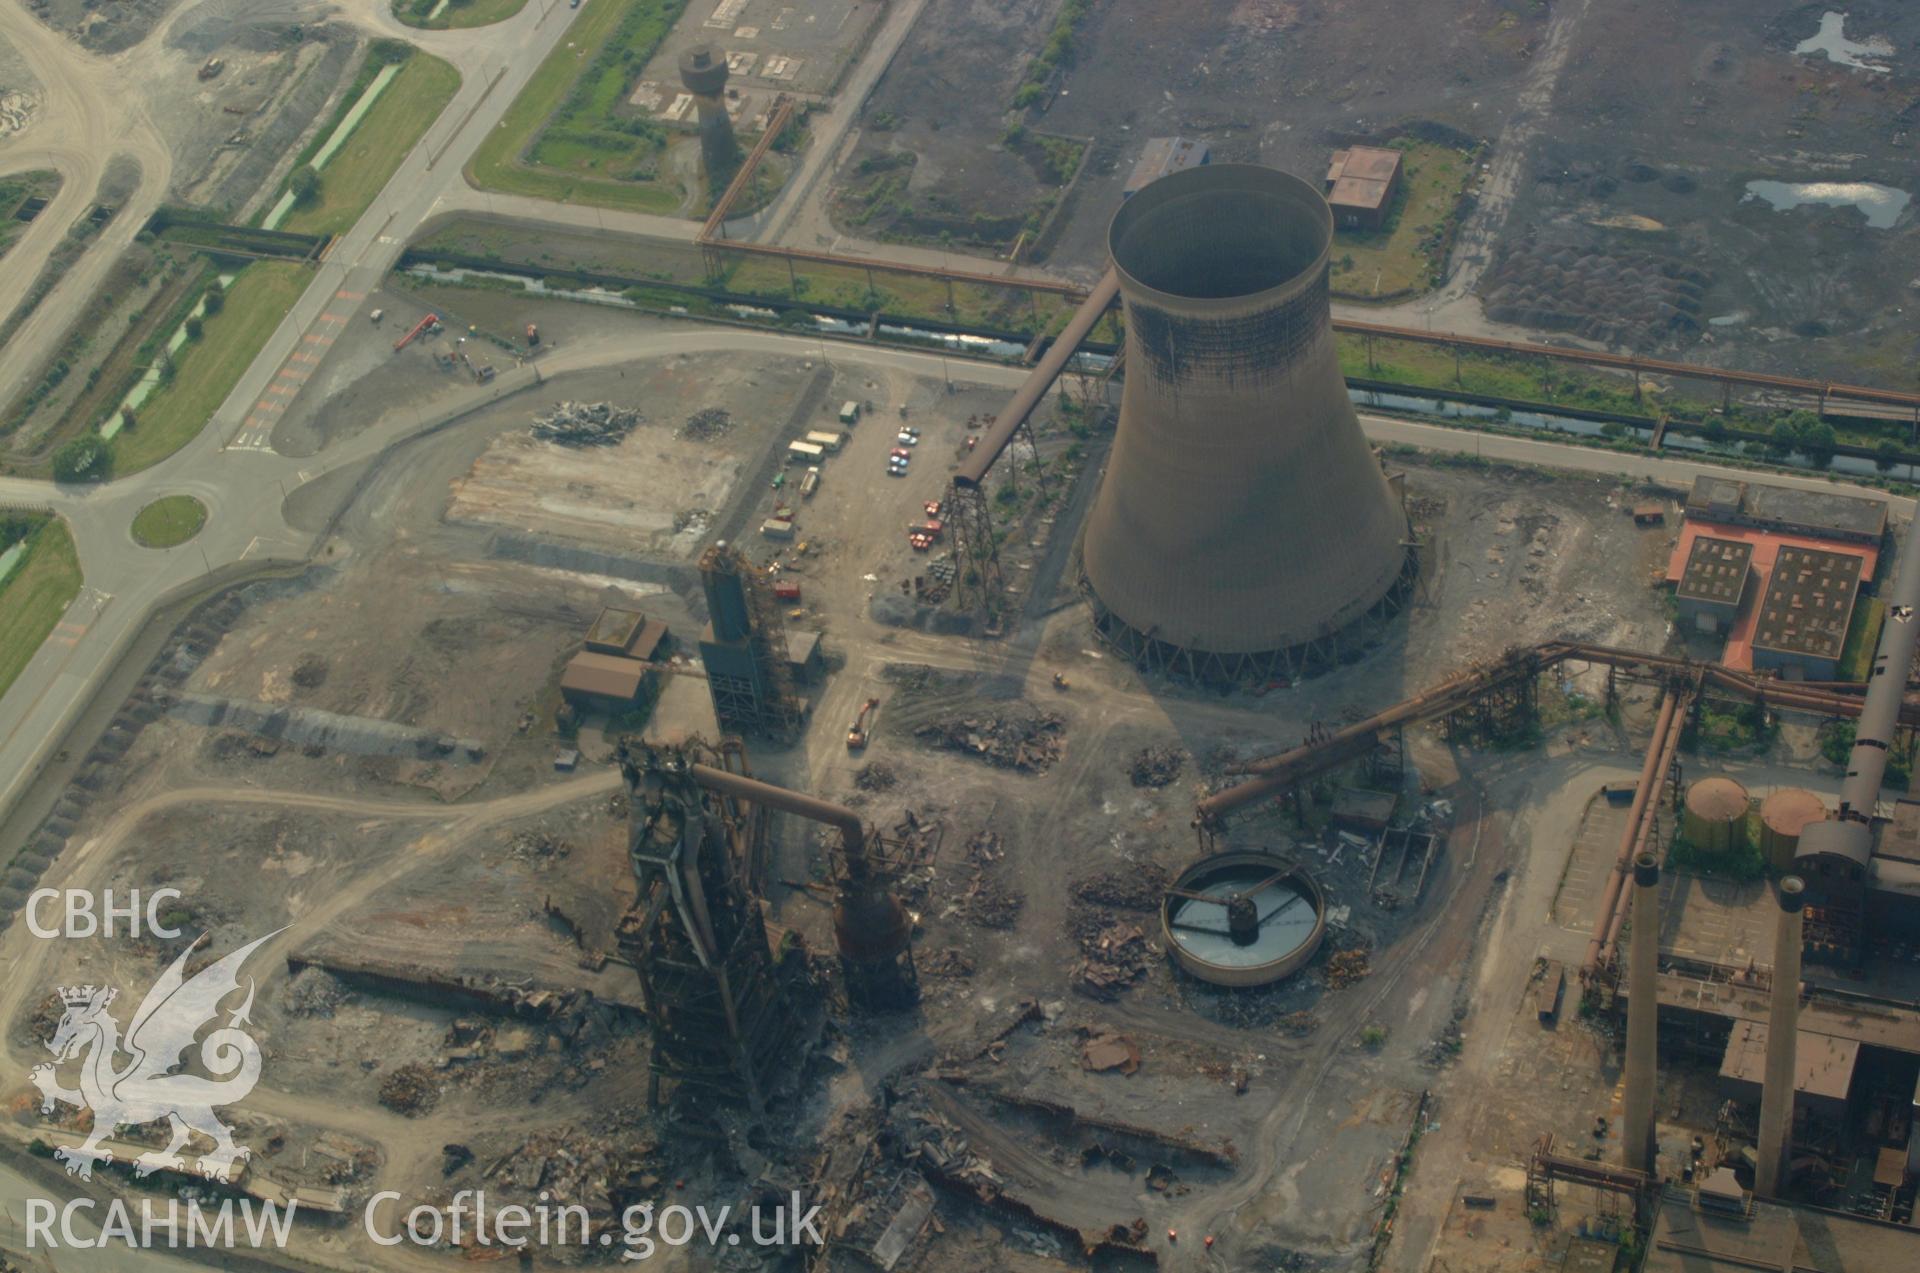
(908, 439)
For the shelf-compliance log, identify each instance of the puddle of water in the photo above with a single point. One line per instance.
(1881, 205)
(1831, 40)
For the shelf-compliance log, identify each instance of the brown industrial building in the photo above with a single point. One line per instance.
(1713, 582)
(1361, 182)
(603, 682)
(1805, 612)
(627, 634)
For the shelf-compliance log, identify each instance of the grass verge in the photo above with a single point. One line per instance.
(379, 142)
(35, 594)
(209, 367)
(457, 14)
(569, 114)
(1863, 639)
(168, 521)
(1406, 256)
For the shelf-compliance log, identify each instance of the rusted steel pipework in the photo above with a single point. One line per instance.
(1274, 774)
(853, 833)
(1613, 908)
(1038, 381)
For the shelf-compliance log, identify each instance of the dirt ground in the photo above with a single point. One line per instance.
(103, 28)
(1639, 194)
(1257, 80)
(487, 875)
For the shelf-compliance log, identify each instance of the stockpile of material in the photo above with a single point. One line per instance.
(1028, 742)
(585, 424)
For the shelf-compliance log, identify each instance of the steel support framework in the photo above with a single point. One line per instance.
(720, 1010)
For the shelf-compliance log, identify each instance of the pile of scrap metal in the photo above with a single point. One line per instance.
(585, 424)
(876, 1206)
(1116, 957)
(568, 1167)
(1347, 967)
(1027, 741)
(1156, 766)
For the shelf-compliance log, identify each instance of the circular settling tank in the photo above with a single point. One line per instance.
(1714, 819)
(1243, 919)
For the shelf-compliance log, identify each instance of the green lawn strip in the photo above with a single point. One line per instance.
(361, 167)
(35, 595)
(1395, 259)
(456, 14)
(578, 88)
(169, 520)
(1863, 639)
(208, 368)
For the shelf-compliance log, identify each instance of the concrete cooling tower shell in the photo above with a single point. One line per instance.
(1243, 524)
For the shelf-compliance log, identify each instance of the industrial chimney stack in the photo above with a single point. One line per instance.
(1643, 1016)
(1244, 524)
(1783, 1038)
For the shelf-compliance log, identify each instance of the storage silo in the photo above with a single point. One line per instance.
(1783, 816)
(1244, 526)
(1714, 817)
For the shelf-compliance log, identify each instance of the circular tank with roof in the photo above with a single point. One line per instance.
(1243, 919)
(1783, 816)
(1714, 817)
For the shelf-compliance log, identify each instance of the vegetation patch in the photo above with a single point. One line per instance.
(331, 199)
(1407, 255)
(571, 135)
(15, 189)
(169, 520)
(1863, 639)
(209, 365)
(1055, 55)
(42, 581)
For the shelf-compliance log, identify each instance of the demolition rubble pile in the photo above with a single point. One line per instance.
(988, 901)
(568, 1167)
(410, 1090)
(1028, 742)
(1347, 967)
(537, 847)
(875, 776)
(1116, 954)
(1137, 888)
(1156, 766)
(707, 425)
(585, 424)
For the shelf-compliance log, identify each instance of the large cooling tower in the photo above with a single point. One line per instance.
(1243, 523)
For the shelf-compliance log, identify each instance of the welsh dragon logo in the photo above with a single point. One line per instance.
(149, 1085)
